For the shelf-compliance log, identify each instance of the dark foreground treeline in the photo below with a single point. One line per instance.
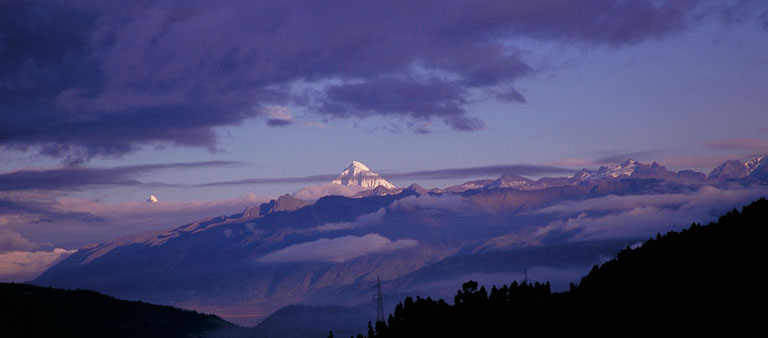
(33, 311)
(701, 279)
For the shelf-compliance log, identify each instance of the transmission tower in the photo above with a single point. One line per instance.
(379, 301)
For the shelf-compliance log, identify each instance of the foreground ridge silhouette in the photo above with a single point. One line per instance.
(700, 279)
(34, 311)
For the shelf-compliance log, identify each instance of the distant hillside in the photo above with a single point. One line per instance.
(702, 278)
(33, 311)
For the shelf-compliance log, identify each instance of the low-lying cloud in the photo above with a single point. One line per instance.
(20, 266)
(641, 216)
(13, 241)
(75, 221)
(430, 203)
(314, 192)
(360, 221)
(424, 203)
(337, 250)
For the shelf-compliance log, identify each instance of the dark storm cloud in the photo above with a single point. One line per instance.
(401, 97)
(93, 78)
(74, 178)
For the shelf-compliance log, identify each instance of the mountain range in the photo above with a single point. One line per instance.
(330, 252)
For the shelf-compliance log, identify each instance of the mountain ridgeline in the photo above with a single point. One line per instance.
(695, 280)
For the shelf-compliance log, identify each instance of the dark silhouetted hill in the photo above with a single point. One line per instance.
(33, 311)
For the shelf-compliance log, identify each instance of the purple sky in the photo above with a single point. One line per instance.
(103, 103)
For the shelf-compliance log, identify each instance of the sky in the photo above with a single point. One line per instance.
(215, 106)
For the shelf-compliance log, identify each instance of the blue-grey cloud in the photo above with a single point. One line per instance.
(77, 177)
(43, 211)
(479, 171)
(621, 157)
(272, 180)
(752, 145)
(92, 78)
(278, 122)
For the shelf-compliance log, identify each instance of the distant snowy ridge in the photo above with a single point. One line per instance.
(753, 164)
(735, 169)
(358, 174)
(624, 169)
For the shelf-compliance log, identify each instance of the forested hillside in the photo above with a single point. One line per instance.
(702, 278)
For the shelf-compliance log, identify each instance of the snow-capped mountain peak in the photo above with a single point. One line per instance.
(612, 171)
(735, 169)
(358, 174)
(510, 181)
(357, 167)
(753, 163)
(623, 169)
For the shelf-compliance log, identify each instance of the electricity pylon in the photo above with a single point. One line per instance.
(379, 301)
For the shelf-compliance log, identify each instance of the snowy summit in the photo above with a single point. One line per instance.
(152, 199)
(358, 174)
